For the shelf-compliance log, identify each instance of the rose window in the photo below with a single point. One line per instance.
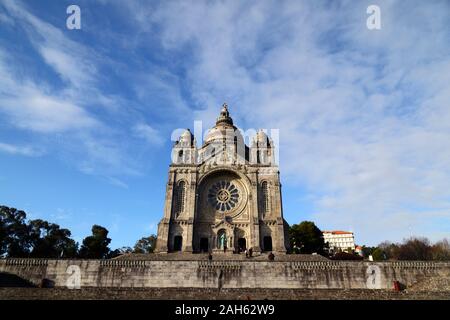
(223, 196)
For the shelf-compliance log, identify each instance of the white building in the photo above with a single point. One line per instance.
(339, 240)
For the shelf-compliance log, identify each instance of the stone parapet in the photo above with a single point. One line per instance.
(226, 273)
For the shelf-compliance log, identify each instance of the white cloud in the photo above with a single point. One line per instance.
(33, 106)
(117, 182)
(363, 115)
(148, 133)
(39, 112)
(20, 150)
(68, 66)
(61, 215)
(71, 109)
(5, 19)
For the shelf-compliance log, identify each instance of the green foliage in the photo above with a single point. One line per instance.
(378, 254)
(42, 239)
(3, 237)
(367, 251)
(96, 245)
(14, 234)
(306, 238)
(441, 250)
(37, 238)
(145, 244)
(48, 240)
(120, 251)
(413, 249)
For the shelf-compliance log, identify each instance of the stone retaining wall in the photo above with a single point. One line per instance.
(225, 274)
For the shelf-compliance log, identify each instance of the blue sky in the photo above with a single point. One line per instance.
(86, 116)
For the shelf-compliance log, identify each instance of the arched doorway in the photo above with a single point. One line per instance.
(177, 243)
(204, 245)
(242, 244)
(267, 243)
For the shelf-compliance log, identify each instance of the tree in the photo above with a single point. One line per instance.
(145, 244)
(415, 249)
(307, 237)
(389, 249)
(96, 245)
(441, 250)
(3, 236)
(378, 254)
(119, 252)
(48, 240)
(367, 251)
(14, 233)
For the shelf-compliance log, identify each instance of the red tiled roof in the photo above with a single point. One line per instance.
(338, 232)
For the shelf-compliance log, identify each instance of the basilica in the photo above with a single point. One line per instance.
(223, 196)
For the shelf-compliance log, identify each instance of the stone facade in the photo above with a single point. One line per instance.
(223, 195)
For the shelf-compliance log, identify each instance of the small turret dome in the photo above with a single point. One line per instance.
(262, 139)
(186, 138)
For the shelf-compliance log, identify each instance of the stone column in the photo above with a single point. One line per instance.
(280, 242)
(190, 210)
(254, 215)
(164, 224)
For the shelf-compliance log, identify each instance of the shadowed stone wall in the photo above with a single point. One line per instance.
(225, 274)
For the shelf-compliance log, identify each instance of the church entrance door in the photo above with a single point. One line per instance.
(204, 245)
(177, 243)
(267, 243)
(242, 244)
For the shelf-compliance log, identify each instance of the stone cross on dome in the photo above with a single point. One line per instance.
(224, 116)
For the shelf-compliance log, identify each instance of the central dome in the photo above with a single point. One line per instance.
(224, 130)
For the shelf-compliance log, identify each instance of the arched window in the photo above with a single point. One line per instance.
(222, 239)
(265, 198)
(179, 200)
